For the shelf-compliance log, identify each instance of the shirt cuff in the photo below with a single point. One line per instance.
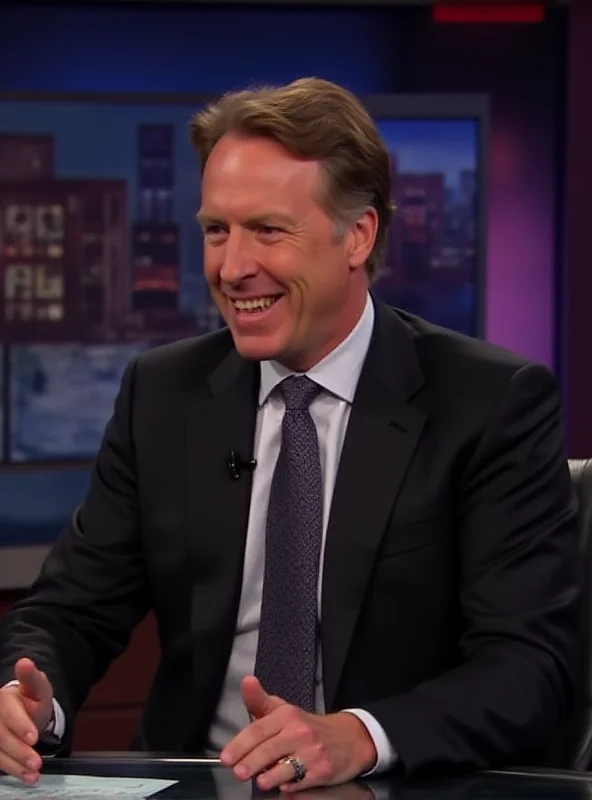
(57, 726)
(386, 754)
(59, 721)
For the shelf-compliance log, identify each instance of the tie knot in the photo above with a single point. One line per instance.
(298, 392)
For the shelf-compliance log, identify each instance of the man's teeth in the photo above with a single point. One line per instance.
(254, 305)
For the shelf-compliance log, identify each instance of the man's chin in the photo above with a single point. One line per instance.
(254, 348)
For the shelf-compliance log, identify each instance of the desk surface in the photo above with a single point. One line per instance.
(201, 780)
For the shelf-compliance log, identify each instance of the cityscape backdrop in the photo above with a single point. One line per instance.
(101, 257)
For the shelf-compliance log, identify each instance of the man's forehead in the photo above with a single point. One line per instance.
(259, 161)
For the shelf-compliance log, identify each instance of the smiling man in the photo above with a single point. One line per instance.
(356, 529)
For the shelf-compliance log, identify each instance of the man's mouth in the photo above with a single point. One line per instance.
(255, 303)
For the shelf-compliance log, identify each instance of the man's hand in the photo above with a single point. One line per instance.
(333, 748)
(25, 709)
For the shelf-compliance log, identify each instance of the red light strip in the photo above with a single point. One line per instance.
(489, 14)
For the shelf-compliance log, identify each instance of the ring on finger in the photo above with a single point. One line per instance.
(297, 766)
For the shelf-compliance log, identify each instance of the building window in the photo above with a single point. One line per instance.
(50, 223)
(18, 224)
(18, 282)
(49, 283)
(34, 292)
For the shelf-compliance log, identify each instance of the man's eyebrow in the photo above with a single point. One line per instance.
(257, 219)
(203, 218)
(272, 217)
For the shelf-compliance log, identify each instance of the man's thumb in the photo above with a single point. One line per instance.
(257, 702)
(34, 684)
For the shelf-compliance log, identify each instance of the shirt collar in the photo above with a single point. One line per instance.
(338, 372)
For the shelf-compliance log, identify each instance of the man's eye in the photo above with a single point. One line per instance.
(214, 233)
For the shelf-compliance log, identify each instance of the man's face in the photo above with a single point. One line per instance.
(287, 286)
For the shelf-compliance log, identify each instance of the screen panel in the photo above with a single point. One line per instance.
(432, 259)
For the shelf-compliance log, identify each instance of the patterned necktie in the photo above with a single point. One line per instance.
(286, 654)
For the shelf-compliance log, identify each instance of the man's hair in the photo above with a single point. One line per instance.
(317, 120)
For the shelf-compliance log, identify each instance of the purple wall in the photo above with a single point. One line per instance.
(521, 68)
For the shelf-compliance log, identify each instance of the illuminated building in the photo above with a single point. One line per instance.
(155, 285)
(62, 258)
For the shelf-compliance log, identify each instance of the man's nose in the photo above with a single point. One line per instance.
(238, 262)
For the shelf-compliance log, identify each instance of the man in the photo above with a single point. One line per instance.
(356, 529)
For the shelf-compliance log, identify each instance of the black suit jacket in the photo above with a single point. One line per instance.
(450, 588)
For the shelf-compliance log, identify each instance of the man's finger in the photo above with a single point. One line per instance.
(14, 748)
(257, 702)
(15, 718)
(18, 768)
(33, 683)
(281, 775)
(251, 737)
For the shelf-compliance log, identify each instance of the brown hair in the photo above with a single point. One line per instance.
(319, 120)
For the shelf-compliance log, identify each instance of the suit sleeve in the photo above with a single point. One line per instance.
(519, 594)
(91, 591)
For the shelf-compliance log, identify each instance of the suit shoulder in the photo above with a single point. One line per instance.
(464, 372)
(191, 358)
(466, 382)
(445, 350)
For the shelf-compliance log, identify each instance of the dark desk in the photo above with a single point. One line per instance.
(198, 780)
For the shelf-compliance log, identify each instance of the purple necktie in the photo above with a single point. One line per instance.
(286, 654)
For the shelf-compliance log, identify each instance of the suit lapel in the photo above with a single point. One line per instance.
(220, 418)
(382, 435)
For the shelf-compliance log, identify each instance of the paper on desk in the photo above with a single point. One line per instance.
(81, 787)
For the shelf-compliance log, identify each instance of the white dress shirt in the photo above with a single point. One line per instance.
(338, 374)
